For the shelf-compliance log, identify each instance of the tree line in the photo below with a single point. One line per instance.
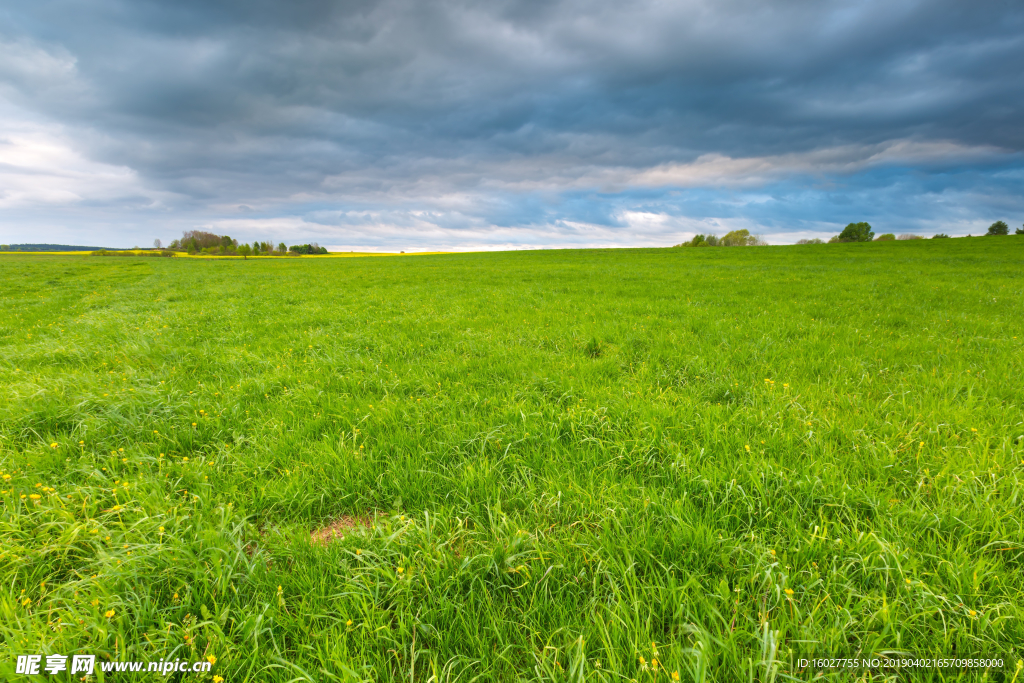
(736, 238)
(201, 242)
(862, 232)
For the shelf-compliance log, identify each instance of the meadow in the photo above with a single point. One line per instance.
(604, 465)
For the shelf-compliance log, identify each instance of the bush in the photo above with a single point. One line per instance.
(814, 240)
(909, 236)
(126, 252)
(940, 236)
(998, 228)
(1019, 231)
(887, 237)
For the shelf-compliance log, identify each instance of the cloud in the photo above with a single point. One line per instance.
(481, 118)
(39, 167)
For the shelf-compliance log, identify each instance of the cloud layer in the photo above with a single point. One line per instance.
(463, 125)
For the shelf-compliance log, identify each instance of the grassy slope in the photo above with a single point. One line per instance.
(755, 421)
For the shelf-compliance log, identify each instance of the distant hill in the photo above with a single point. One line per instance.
(49, 247)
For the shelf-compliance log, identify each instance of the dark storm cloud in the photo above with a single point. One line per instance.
(487, 116)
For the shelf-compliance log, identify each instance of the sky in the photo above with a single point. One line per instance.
(423, 125)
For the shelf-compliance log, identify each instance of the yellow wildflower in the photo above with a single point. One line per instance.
(212, 660)
(109, 613)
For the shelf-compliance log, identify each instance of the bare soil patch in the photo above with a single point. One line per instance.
(337, 529)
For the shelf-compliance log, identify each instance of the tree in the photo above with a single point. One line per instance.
(940, 236)
(282, 248)
(887, 237)
(739, 238)
(998, 228)
(202, 239)
(813, 240)
(245, 250)
(1019, 231)
(857, 232)
(226, 243)
(157, 244)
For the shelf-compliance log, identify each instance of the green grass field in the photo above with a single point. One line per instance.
(557, 465)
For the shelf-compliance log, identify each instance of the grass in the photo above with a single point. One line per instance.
(558, 465)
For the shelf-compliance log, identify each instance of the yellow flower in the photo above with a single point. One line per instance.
(26, 602)
(772, 553)
(175, 596)
(348, 623)
(35, 496)
(401, 570)
(212, 660)
(789, 591)
(161, 529)
(973, 613)
(53, 445)
(675, 675)
(7, 477)
(748, 448)
(95, 603)
(109, 613)
(218, 679)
